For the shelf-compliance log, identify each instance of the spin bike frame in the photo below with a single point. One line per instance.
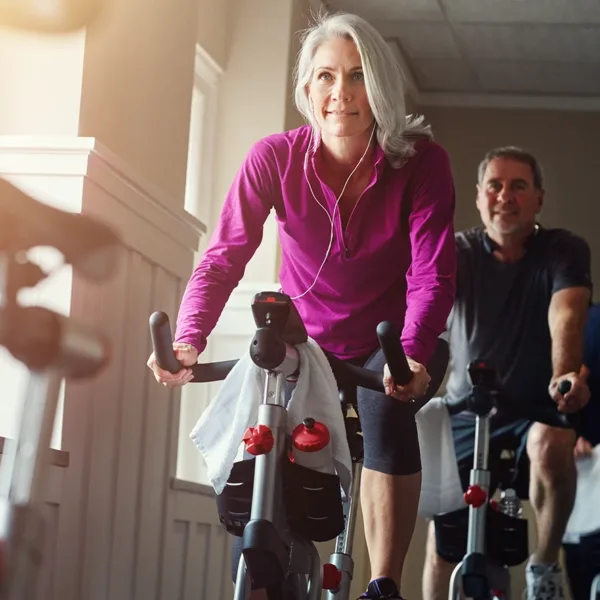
(52, 347)
(267, 558)
(472, 575)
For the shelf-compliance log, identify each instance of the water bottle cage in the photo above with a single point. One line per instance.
(312, 500)
(508, 536)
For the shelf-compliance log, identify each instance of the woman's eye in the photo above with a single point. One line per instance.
(358, 76)
(325, 76)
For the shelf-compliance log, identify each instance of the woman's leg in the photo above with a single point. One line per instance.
(391, 478)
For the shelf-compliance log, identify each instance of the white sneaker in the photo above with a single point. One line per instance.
(544, 582)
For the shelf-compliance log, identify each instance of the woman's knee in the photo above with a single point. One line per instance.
(391, 441)
(550, 448)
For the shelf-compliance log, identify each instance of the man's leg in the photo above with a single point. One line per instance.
(553, 480)
(552, 494)
(436, 571)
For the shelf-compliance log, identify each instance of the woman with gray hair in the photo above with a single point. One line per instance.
(364, 200)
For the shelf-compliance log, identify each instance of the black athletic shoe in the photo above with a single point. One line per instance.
(382, 588)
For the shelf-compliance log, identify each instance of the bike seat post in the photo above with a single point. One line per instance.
(279, 360)
(264, 547)
(272, 414)
(341, 558)
(480, 475)
(474, 566)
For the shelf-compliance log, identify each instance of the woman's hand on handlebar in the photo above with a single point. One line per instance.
(417, 386)
(579, 394)
(187, 355)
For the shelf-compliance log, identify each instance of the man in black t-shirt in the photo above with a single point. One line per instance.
(522, 298)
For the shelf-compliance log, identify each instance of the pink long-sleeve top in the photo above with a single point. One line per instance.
(395, 260)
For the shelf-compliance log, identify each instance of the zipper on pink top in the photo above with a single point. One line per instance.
(339, 216)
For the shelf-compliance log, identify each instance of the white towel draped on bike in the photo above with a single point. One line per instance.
(585, 516)
(441, 490)
(218, 433)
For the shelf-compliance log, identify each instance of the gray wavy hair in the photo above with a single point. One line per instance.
(384, 82)
(513, 153)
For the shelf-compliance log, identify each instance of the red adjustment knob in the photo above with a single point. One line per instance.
(494, 505)
(258, 440)
(332, 577)
(475, 496)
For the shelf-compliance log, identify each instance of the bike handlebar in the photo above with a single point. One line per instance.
(345, 373)
(564, 387)
(390, 343)
(42, 339)
(547, 414)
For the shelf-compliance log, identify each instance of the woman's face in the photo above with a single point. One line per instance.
(337, 90)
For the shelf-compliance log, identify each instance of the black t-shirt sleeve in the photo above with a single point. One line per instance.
(570, 264)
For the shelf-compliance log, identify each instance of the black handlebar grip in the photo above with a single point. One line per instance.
(389, 340)
(162, 342)
(564, 387)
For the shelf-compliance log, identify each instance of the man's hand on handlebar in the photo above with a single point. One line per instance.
(579, 394)
(187, 355)
(417, 386)
(582, 449)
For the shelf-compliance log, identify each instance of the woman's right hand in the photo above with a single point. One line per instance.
(187, 355)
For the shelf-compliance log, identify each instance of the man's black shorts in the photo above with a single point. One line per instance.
(508, 461)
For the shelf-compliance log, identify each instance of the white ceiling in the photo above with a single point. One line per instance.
(510, 51)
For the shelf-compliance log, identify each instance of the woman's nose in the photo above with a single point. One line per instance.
(341, 90)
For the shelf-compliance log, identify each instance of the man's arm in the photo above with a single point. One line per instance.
(567, 317)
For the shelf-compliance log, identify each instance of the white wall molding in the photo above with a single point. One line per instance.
(137, 203)
(207, 66)
(510, 101)
(107, 188)
(200, 176)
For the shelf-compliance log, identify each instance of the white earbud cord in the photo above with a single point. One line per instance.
(335, 208)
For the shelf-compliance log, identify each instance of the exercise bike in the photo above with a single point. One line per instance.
(279, 508)
(52, 347)
(482, 569)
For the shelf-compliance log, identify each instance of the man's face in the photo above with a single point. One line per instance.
(507, 198)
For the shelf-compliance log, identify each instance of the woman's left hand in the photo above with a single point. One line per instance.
(416, 388)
